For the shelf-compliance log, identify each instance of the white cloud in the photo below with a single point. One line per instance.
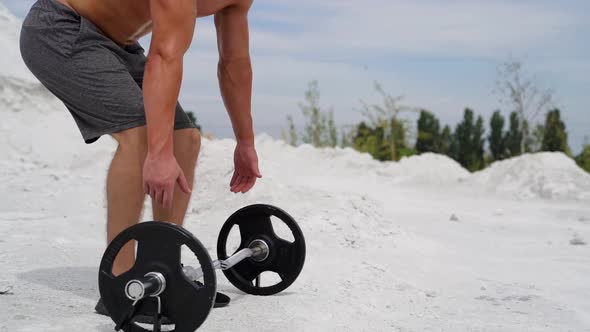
(465, 28)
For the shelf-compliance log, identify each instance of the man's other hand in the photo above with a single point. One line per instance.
(246, 170)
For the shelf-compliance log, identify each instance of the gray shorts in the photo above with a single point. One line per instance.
(99, 81)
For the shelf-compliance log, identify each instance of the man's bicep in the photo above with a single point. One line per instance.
(173, 26)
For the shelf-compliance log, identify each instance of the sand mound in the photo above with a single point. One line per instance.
(542, 175)
(428, 168)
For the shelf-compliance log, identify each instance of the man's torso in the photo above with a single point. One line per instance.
(125, 21)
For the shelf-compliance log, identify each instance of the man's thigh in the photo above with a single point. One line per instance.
(98, 80)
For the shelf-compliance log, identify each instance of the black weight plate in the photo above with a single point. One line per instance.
(159, 244)
(285, 258)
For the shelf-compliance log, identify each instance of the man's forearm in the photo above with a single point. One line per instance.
(161, 89)
(235, 81)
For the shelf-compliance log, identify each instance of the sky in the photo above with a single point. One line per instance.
(439, 55)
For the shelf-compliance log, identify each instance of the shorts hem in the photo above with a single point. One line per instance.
(184, 125)
(91, 138)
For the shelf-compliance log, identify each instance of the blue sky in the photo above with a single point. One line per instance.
(440, 55)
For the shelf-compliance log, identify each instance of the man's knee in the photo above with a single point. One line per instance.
(188, 141)
(134, 139)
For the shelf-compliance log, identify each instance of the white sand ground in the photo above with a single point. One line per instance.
(419, 245)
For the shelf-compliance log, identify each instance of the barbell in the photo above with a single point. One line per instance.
(159, 285)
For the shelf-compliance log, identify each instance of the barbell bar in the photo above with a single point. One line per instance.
(154, 283)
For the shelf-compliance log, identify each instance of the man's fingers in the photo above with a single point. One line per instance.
(249, 184)
(233, 179)
(162, 197)
(243, 182)
(183, 183)
(237, 183)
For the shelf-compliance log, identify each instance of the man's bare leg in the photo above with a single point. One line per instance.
(125, 195)
(187, 144)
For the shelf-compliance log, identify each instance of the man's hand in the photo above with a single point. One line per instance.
(160, 175)
(246, 168)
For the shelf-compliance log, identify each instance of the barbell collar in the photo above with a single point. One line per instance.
(152, 284)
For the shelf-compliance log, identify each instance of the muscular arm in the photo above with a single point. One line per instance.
(173, 28)
(234, 68)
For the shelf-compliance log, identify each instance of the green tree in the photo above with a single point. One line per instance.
(317, 130)
(368, 140)
(513, 136)
(359, 140)
(385, 120)
(428, 133)
(193, 118)
(292, 139)
(521, 93)
(445, 142)
(496, 138)
(555, 134)
(399, 132)
(536, 139)
(468, 143)
(347, 137)
(376, 142)
(478, 142)
(332, 131)
(583, 159)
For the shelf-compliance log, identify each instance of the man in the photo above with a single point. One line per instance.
(86, 53)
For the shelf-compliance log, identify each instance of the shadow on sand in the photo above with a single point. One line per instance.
(81, 281)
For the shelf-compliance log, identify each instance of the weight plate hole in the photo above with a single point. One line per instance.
(191, 264)
(129, 249)
(150, 327)
(281, 229)
(267, 279)
(234, 240)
